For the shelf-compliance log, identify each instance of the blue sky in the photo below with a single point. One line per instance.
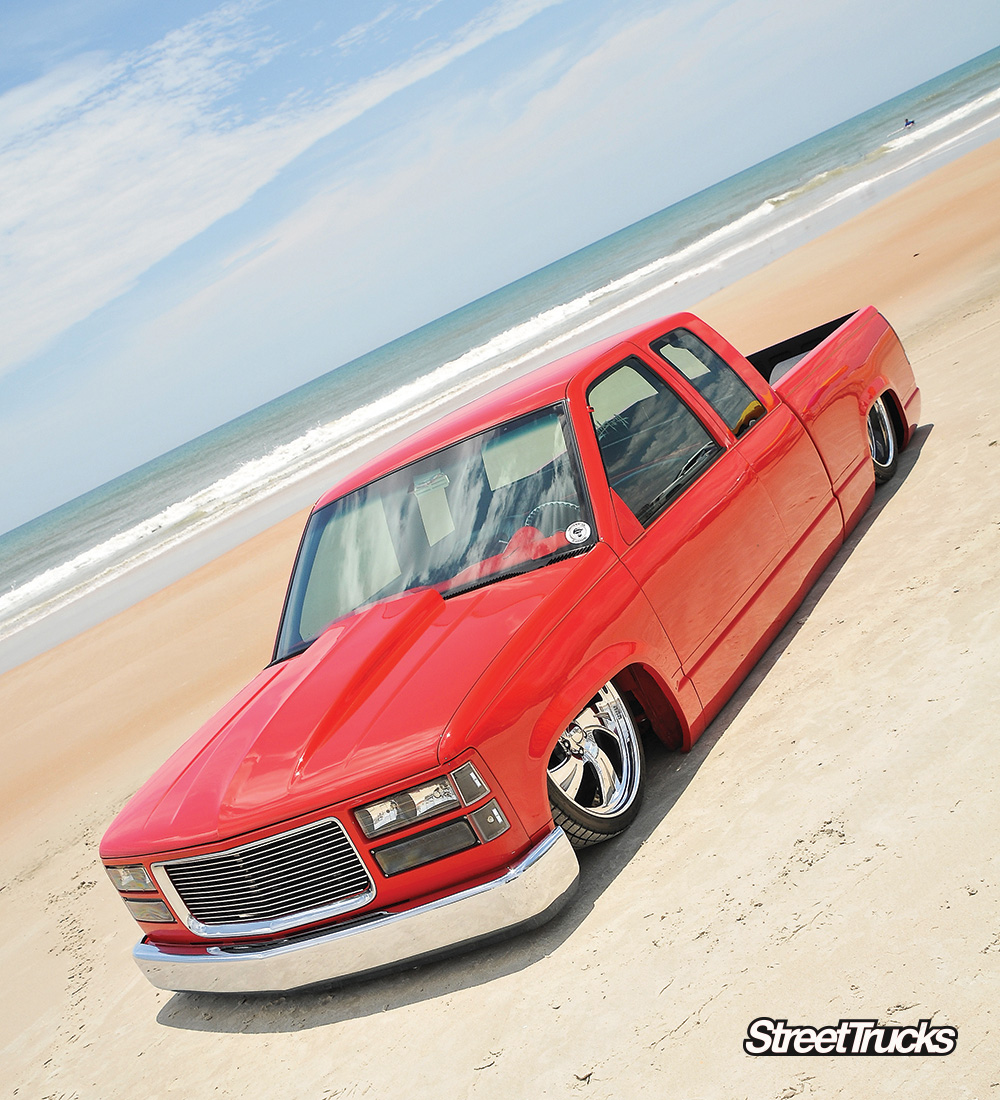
(205, 205)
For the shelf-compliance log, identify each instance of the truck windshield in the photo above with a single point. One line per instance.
(504, 501)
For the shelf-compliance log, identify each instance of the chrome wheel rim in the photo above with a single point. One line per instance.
(595, 763)
(881, 437)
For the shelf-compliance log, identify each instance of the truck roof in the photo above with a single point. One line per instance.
(541, 386)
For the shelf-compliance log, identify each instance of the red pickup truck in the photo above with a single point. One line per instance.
(480, 627)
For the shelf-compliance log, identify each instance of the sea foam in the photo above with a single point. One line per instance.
(763, 209)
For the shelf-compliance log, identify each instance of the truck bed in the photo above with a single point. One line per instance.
(776, 361)
(829, 376)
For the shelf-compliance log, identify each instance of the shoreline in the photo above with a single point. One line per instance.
(818, 855)
(169, 565)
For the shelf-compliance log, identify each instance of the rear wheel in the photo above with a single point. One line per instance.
(882, 441)
(596, 773)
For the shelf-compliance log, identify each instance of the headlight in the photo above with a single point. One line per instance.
(155, 911)
(413, 804)
(127, 879)
(426, 847)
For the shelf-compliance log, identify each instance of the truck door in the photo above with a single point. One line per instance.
(770, 438)
(710, 534)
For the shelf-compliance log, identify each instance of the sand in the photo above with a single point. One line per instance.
(826, 851)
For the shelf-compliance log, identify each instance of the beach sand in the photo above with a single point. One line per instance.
(826, 851)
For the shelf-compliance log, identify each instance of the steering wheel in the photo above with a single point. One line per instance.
(552, 519)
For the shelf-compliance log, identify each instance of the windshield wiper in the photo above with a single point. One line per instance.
(517, 570)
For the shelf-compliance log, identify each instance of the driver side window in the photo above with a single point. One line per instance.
(652, 445)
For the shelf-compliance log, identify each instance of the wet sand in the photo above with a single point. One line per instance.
(825, 852)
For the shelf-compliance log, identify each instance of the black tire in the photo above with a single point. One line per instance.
(597, 771)
(882, 441)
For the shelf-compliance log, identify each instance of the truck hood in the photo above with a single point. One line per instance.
(365, 705)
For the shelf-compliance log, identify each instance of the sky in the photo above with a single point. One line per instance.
(204, 205)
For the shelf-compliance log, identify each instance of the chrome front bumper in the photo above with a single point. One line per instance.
(526, 895)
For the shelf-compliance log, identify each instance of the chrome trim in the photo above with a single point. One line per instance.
(525, 895)
(260, 927)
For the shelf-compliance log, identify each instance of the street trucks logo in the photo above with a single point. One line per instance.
(767, 1036)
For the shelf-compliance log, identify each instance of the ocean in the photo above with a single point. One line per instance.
(95, 543)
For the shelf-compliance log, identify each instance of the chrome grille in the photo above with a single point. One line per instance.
(307, 873)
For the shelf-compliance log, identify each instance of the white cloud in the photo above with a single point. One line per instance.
(132, 157)
(352, 39)
(109, 165)
(509, 178)
(528, 166)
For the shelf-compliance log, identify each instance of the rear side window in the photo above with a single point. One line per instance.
(653, 446)
(712, 377)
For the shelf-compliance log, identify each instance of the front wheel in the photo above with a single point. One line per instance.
(882, 441)
(597, 771)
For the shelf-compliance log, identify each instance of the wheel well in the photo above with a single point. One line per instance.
(654, 702)
(895, 415)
